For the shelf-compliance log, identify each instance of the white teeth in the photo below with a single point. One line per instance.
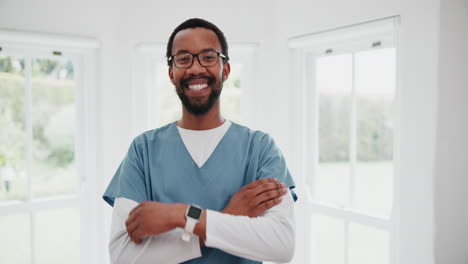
(197, 86)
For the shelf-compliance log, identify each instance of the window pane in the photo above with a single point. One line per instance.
(334, 85)
(169, 104)
(170, 108)
(368, 245)
(375, 86)
(13, 181)
(15, 239)
(373, 188)
(332, 182)
(231, 94)
(58, 236)
(327, 240)
(53, 117)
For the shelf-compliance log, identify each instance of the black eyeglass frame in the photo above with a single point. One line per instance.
(218, 54)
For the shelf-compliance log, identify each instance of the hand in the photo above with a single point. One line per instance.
(255, 198)
(152, 218)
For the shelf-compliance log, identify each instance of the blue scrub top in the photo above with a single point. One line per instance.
(158, 167)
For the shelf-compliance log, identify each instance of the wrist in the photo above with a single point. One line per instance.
(193, 217)
(178, 217)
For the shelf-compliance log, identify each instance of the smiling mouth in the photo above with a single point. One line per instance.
(197, 84)
(197, 87)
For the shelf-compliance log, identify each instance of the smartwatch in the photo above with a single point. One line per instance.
(193, 215)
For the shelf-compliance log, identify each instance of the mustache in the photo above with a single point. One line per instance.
(183, 82)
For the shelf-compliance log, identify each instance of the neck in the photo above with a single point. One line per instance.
(210, 120)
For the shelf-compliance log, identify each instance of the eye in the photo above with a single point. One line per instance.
(209, 56)
(182, 58)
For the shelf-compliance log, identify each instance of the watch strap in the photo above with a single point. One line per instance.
(189, 227)
(190, 222)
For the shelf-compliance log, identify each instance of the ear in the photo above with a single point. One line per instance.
(171, 74)
(226, 71)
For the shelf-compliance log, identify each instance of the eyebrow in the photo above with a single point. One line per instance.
(186, 51)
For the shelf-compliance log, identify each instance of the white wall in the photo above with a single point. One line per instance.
(451, 162)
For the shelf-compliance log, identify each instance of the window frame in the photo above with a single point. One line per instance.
(348, 39)
(82, 51)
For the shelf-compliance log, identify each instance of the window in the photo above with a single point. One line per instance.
(348, 103)
(155, 100)
(43, 137)
(38, 150)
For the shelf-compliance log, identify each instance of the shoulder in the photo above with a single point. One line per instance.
(242, 130)
(153, 136)
(255, 138)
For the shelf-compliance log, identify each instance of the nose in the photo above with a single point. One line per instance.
(196, 67)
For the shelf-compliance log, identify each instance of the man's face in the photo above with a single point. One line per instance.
(198, 87)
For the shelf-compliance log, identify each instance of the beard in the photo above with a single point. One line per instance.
(198, 107)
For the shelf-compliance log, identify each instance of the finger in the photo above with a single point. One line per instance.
(268, 187)
(138, 207)
(134, 213)
(268, 204)
(131, 227)
(269, 195)
(130, 234)
(133, 210)
(131, 218)
(134, 238)
(254, 184)
(137, 235)
(260, 210)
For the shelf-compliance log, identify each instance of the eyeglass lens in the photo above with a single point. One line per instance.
(206, 58)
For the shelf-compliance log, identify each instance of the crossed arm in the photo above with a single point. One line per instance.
(152, 231)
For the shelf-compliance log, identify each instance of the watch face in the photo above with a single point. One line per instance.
(194, 212)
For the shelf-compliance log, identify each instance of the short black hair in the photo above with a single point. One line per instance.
(194, 23)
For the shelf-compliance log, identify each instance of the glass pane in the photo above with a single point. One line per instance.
(368, 245)
(334, 86)
(373, 188)
(231, 94)
(375, 88)
(327, 240)
(13, 181)
(332, 182)
(58, 236)
(15, 243)
(53, 117)
(170, 106)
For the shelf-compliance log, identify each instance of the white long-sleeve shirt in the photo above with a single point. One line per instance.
(269, 237)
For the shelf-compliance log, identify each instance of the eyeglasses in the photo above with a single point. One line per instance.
(205, 58)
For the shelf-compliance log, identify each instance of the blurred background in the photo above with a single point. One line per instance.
(364, 98)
